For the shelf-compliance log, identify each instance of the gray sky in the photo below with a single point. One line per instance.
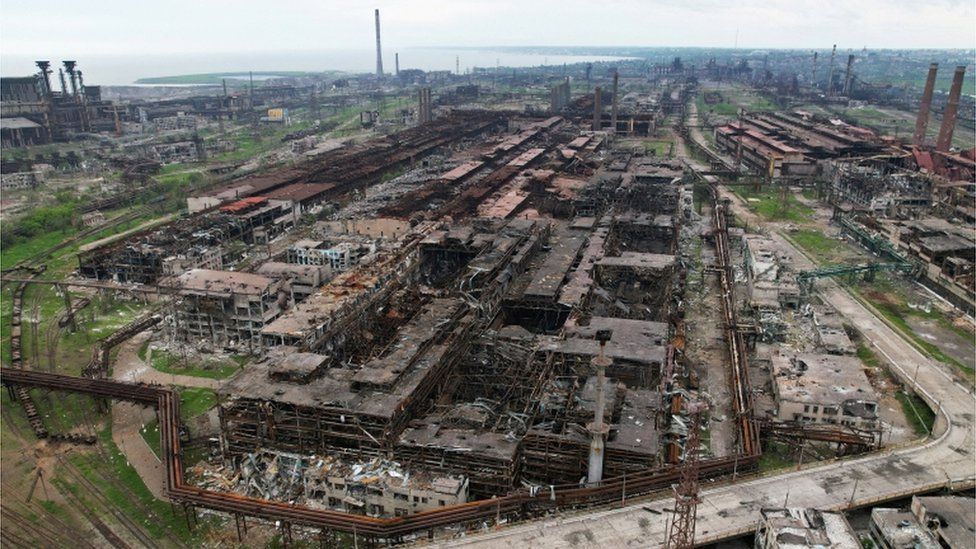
(102, 27)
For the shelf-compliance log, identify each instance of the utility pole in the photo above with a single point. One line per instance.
(686, 499)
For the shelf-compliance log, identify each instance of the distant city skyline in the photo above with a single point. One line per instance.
(134, 27)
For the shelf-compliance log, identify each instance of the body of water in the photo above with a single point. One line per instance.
(126, 69)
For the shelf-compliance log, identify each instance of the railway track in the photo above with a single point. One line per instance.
(36, 259)
(110, 536)
(17, 357)
(103, 502)
(58, 536)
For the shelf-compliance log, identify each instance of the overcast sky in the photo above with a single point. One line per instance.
(101, 27)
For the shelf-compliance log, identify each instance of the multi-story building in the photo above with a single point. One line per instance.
(823, 389)
(771, 282)
(225, 308)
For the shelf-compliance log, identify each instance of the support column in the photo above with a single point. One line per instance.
(598, 429)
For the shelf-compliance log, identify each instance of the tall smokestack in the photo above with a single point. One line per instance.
(379, 51)
(813, 75)
(45, 67)
(69, 67)
(396, 63)
(922, 122)
(457, 64)
(949, 115)
(830, 73)
(613, 108)
(597, 108)
(848, 75)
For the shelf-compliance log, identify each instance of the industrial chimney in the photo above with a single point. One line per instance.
(69, 67)
(848, 75)
(613, 108)
(949, 115)
(830, 73)
(45, 67)
(922, 122)
(597, 108)
(813, 74)
(379, 51)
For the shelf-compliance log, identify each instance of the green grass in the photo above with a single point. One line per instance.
(194, 402)
(55, 509)
(101, 318)
(774, 457)
(822, 247)
(172, 364)
(867, 356)
(26, 249)
(732, 100)
(150, 433)
(163, 523)
(917, 412)
(768, 203)
(896, 312)
(658, 146)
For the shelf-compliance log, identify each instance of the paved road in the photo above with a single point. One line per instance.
(733, 510)
(129, 367)
(128, 418)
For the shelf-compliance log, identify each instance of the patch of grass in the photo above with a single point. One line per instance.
(658, 147)
(867, 356)
(101, 318)
(822, 247)
(194, 402)
(135, 496)
(150, 433)
(172, 364)
(774, 457)
(768, 203)
(55, 509)
(917, 412)
(896, 312)
(26, 249)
